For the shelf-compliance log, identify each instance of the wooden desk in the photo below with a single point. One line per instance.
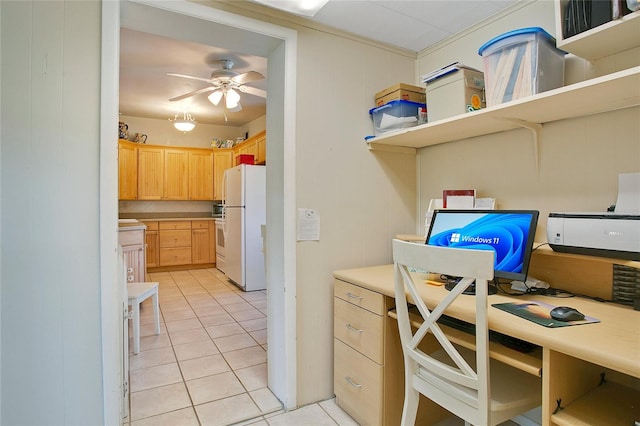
(573, 358)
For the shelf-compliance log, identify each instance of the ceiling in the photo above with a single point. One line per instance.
(145, 58)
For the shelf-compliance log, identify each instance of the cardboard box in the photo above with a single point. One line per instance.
(456, 93)
(401, 91)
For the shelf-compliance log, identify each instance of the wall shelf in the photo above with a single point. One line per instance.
(604, 40)
(607, 93)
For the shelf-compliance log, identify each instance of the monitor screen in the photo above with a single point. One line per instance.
(509, 233)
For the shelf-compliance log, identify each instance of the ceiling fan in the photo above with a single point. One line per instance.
(225, 83)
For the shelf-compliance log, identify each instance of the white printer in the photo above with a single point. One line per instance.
(612, 234)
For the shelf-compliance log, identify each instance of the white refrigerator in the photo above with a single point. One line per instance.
(244, 212)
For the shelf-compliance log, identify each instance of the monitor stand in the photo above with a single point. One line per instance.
(471, 290)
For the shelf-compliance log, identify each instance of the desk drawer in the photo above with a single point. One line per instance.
(180, 238)
(359, 328)
(358, 384)
(359, 296)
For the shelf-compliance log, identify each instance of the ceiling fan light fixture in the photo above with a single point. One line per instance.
(185, 124)
(215, 97)
(232, 98)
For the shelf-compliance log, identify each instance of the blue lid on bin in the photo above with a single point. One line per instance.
(521, 31)
(397, 103)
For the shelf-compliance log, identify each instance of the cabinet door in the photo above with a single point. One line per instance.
(150, 173)
(222, 160)
(153, 248)
(201, 175)
(127, 171)
(176, 174)
(261, 156)
(200, 246)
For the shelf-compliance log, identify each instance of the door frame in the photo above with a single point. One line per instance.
(280, 246)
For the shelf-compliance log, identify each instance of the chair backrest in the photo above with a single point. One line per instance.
(452, 381)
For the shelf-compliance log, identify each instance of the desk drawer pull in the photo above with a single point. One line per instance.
(354, 296)
(352, 383)
(352, 328)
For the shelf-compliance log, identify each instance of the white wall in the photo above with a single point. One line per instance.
(580, 159)
(50, 279)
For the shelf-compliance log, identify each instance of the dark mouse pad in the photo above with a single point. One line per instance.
(539, 313)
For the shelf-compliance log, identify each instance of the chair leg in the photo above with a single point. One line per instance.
(156, 310)
(136, 327)
(410, 407)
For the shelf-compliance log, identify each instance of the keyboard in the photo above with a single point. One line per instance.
(494, 336)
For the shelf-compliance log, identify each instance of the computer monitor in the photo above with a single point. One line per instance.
(509, 233)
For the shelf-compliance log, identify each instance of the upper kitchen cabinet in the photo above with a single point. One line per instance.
(261, 147)
(176, 174)
(150, 173)
(201, 174)
(222, 160)
(127, 170)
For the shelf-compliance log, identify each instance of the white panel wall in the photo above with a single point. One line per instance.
(51, 339)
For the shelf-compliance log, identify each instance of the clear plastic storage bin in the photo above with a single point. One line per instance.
(395, 115)
(521, 63)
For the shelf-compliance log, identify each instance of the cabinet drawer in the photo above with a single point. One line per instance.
(129, 238)
(200, 224)
(359, 328)
(359, 296)
(151, 226)
(178, 224)
(181, 238)
(175, 256)
(357, 383)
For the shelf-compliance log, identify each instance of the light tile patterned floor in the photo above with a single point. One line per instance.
(208, 365)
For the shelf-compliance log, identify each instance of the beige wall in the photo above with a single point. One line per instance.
(162, 132)
(580, 159)
(363, 198)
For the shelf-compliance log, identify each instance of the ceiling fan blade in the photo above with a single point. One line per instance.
(195, 92)
(253, 91)
(208, 80)
(247, 77)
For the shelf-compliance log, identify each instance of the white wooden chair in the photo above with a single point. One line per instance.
(138, 293)
(479, 391)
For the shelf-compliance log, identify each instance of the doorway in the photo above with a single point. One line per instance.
(278, 44)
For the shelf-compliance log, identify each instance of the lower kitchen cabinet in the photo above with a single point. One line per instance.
(200, 244)
(175, 243)
(152, 244)
(179, 244)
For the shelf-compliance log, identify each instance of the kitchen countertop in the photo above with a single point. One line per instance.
(160, 217)
(131, 226)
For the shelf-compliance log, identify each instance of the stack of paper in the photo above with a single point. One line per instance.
(441, 72)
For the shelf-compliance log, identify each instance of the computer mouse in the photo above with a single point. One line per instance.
(566, 313)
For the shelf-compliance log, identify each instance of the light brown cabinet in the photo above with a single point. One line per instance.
(175, 243)
(152, 244)
(200, 242)
(222, 160)
(127, 170)
(150, 173)
(176, 174)
(261, 151)
(201, 175)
